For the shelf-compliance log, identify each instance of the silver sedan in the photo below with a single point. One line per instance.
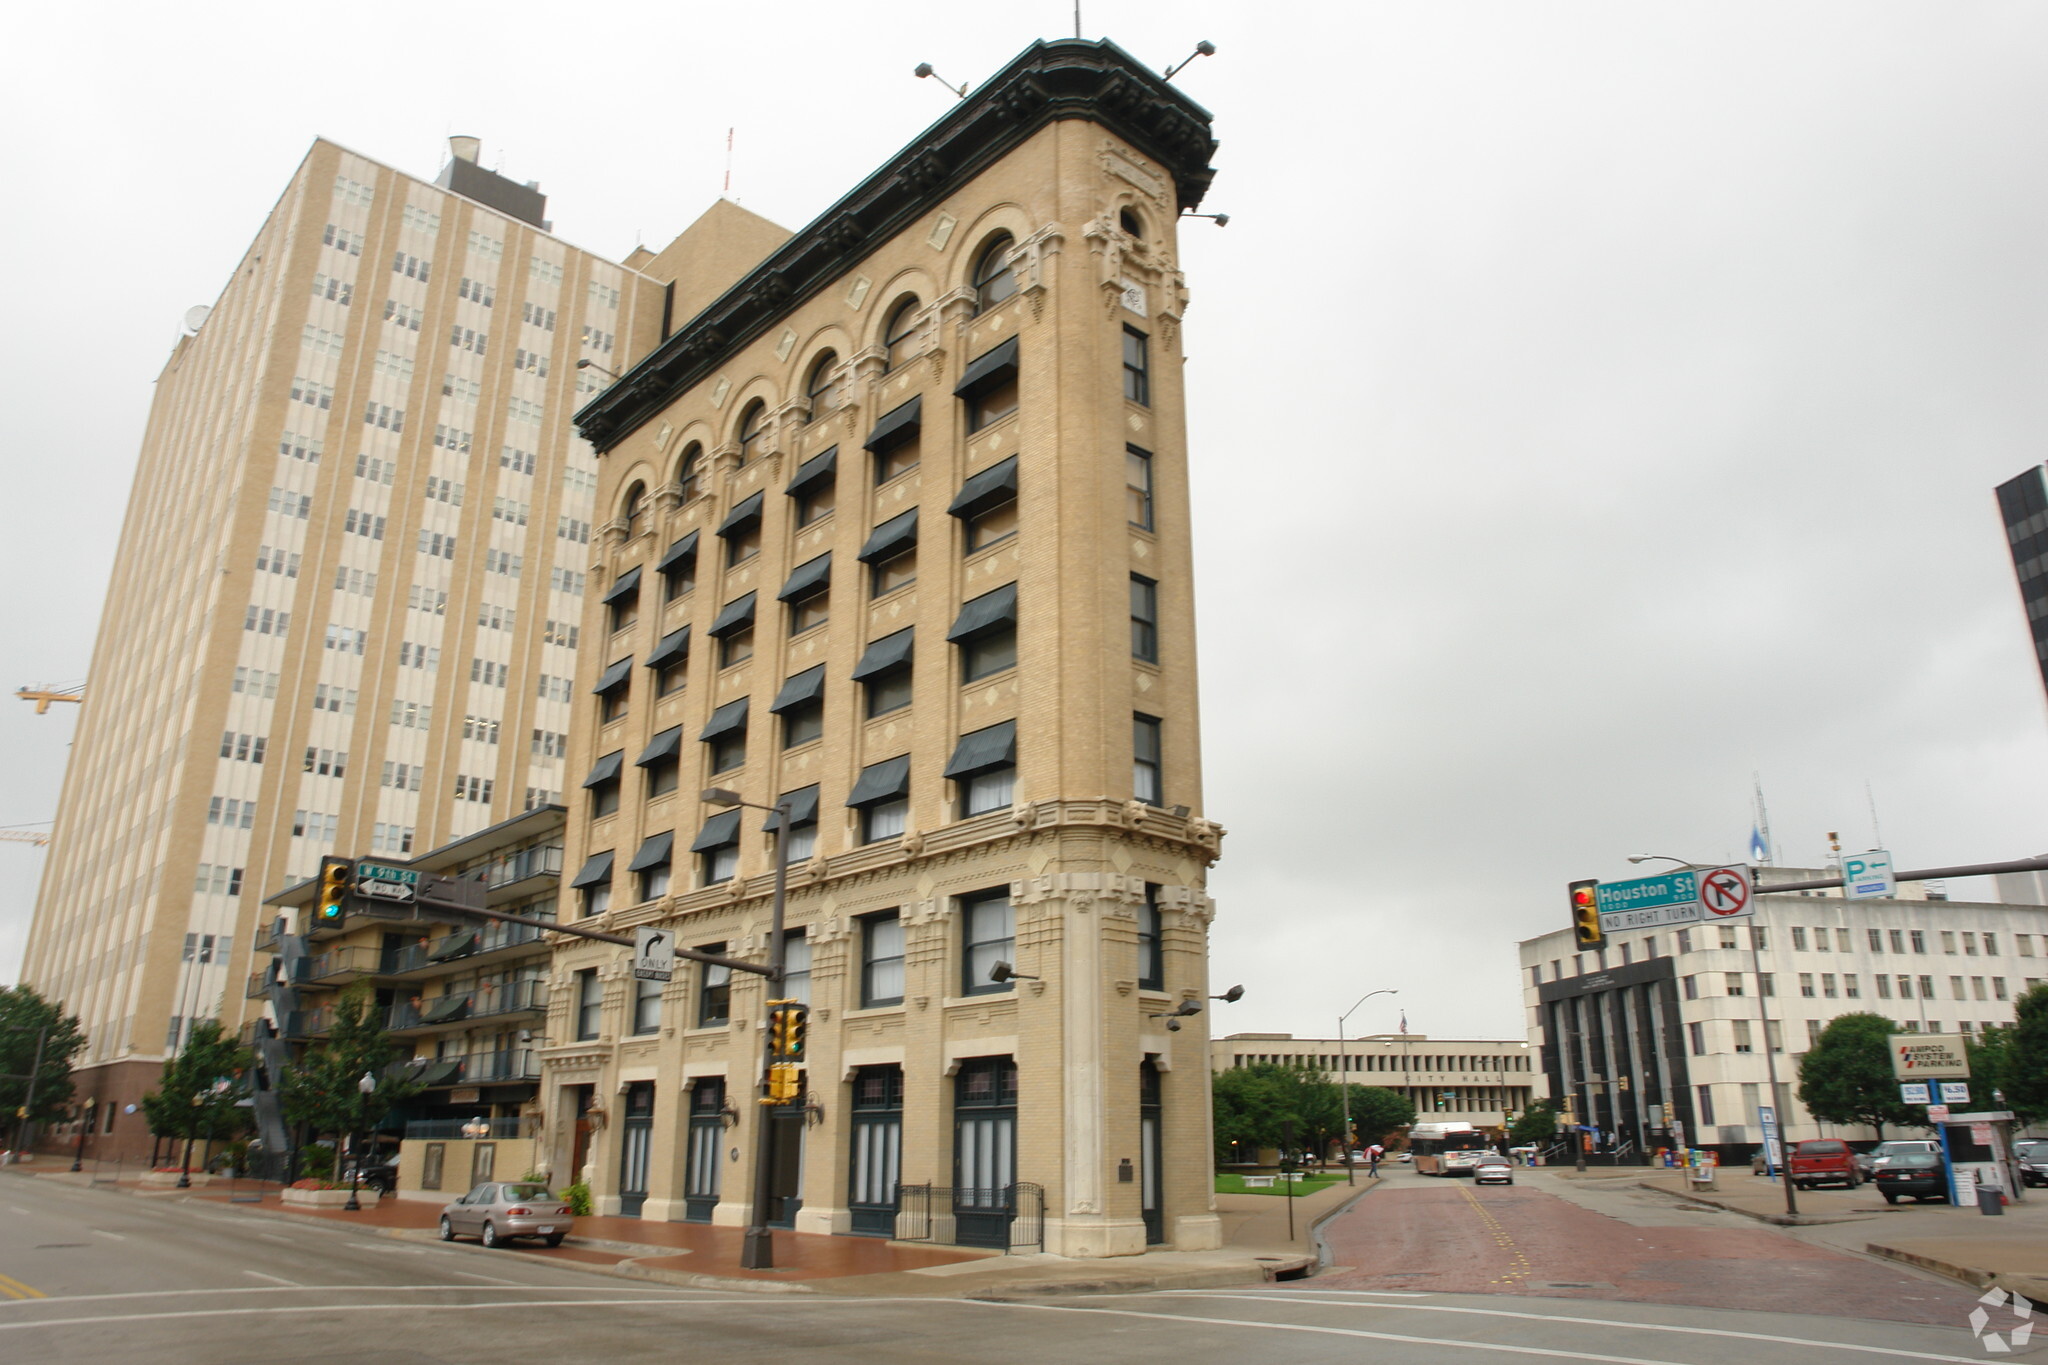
(499, 1211)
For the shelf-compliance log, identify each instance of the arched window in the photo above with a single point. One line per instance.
(636, 504)
(896, 334)
(994, 280)
(1130, 222)
(686, 470)
(753, 423)
(818, 388)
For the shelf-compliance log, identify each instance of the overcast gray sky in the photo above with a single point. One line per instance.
(1592, 404)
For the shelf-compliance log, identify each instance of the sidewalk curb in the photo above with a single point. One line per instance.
(1784, 1220)
(1324, 1256)
(2033, 1288)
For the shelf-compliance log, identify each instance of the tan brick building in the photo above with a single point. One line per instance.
(345, 609)
(897, 528)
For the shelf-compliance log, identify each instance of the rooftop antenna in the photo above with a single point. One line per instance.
(1077, 18)
(727, 191)
(1205, 48)
(924, 69)
(1876, 833)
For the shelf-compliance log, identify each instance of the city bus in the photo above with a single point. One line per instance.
(1446, 1148)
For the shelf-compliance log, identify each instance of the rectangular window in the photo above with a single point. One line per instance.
(1137, 366)
(881, 960)
(1898, 939)
(647, 1006)
(1876, 937)
(589, 1004)
(1827, 985)
(997, 523)
(1919, 937)
(714, 990)
(884, 819)
(1744, 1039)
(1806, 984)
(1948, 942)
(1148, 783)
(736, 647)
(1884, 987)
(1852, 988)
(1692, 987)
(796, 967)
(1151, 951)
(1706, 1103)
(1144, 619)
(1799, 937)
(1844, 941)
(1734, 983)
(988, 935)
(1696, 1036)
(1138, 487)
(1685, 940)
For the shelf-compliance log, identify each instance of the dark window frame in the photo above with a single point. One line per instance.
(1143, 726)
(995, 278)
(714, 990)
(869, 962)
(1144, 618)
(973, 948)
(1138, 372)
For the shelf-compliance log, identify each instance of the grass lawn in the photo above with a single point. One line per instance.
(1308, 1184)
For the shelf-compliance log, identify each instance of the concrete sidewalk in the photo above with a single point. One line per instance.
(1257, 1248)
(2008, 1251)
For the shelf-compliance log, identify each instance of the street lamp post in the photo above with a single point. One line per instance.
(35, 1071)
(1344, 1080)
(366, 1084)
(86, 1112)
(185, 1167)
(1763, 1009)
(757, 1245)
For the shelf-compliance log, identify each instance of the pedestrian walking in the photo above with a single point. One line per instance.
(1372, 1156)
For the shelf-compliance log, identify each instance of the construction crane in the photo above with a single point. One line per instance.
(26, 836)
(43, 694)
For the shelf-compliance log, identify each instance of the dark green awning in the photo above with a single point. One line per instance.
(654, 851)
(677, 553)
(813, 575)
(814, 473)
(726, 719)
(606, 769)
(457, 944)
(628, 584)
(896, 426)
(986, 612)
(720, 830)
(891, 538)
(614, 675)
(673, 649)
(981, 750)
(891, 651)
(803, 808)
(743, 515)
(665, 745)
(884, 781)
(735, 615)
(442, 1073)
(445, 1009)
(807, 686)
(992, 487)
(990, 370)
(597, 869)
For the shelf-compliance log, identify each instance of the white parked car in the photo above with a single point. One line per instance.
(1493, 1169)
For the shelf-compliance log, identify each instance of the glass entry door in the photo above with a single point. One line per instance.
(877, 1149)
(706, 1150)
(636, 1139)
(984, 1151)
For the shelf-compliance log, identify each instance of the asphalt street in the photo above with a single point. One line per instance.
(89, 1275)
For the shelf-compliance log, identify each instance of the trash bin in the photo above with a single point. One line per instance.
(1990, 1200)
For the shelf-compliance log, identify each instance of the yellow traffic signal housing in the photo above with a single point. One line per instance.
(783, 1085)
(337, 875)
(1586, 913)
(788, 1022)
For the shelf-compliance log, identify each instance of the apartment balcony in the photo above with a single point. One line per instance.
(524, 873)
(450, 1130)
(472, 947)
(341, 966)
(260, 982)
(458, 1009)
(479, 1068)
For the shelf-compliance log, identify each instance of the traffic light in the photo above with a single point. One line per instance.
(1586, 913)
(783, 1087)
(788, 1021)
(336, 876)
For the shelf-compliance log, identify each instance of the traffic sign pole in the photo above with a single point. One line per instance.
(1763, 1009)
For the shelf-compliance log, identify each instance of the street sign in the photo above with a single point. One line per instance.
(1955, 1092)
(1725, 893)
(397, 892)
(1936, 1113)
(1980, 1133)
(1685, 897)
(1868, 876)
(1767, 1118)
(654, 954)
(1929, 1057)
(1914, 1092)
(378, 872)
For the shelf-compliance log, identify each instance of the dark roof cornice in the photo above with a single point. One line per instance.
(1067, 78)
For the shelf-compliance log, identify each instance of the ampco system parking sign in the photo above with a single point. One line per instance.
(1929, 1056)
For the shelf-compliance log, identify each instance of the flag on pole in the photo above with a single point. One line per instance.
(1758, 852)
(1404, 1021)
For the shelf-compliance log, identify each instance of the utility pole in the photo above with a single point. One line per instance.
(28, 1105)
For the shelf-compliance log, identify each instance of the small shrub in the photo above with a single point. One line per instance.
(577, 1197)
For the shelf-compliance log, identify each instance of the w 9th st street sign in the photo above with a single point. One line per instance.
(1697, 895)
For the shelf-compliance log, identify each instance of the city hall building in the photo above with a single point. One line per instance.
(896, 530)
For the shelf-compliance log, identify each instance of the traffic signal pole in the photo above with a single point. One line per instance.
(757, 1244)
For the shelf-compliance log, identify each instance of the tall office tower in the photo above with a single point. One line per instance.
(897, 530)
(344, 610)
(2023, 506)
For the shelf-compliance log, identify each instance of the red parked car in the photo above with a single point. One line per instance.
(1823, 1161)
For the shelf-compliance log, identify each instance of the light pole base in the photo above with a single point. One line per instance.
(757, 1249)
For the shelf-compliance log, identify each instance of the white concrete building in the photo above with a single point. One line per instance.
(1665, 1023)
(1479, 1081)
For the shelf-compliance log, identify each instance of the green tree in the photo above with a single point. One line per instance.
(1537, 1123)
(2024, 1077)
(26, 1018)
(1255, 1105)
(1377, 1111)
(323, 1088)
(1847, 1075)
(195, 1097)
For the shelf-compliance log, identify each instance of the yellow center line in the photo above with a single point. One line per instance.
(1519, 1266)
(15, 1289)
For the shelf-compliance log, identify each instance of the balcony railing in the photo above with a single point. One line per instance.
(544, 860)
(352, 961)
(477, 1068)
(445, 1130)
(460, 944)
(483, 1002)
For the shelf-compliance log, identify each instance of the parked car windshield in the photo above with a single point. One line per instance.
(527, 1192)
(1905, 1159)
(1821, 1145)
